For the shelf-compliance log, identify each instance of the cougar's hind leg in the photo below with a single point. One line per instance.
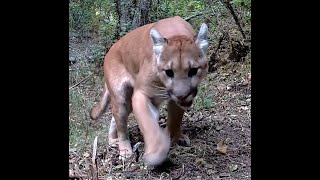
(113, 134)
(121, 108)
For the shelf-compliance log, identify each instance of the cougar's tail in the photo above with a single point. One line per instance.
(102, 106)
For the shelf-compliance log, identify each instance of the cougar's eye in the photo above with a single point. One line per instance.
(192, 72)
(169, 73)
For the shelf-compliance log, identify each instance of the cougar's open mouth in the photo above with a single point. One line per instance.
(184, 105)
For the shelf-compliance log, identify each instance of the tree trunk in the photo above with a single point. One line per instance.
(131, 14)
(118, 29)
(145, 7)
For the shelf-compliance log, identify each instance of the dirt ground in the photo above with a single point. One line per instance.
(218, 125)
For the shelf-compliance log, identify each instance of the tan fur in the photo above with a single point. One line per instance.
(136, 81)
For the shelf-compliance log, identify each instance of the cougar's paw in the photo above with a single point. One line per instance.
(155, 158)
(125, 149)
(183, 140)
(157, 150)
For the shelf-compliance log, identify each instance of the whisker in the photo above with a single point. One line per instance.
(159, 87)
(165, 98)
(162, 94)
(162, 91)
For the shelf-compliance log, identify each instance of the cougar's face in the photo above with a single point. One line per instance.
(181, 72)
(181, 65)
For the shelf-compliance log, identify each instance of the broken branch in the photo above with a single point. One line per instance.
(86, 78)
(235, 17)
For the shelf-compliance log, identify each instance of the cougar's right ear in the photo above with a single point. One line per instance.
(158, 41)
(202, 38)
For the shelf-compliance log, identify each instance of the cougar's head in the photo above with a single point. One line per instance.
(181, 64)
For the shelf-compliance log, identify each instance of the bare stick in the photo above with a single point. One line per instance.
(76, 177)
(200, 14)
(84, 79)
(82, 177)
(94, 160)
(94, 150)
(214, 55)
(193, 16)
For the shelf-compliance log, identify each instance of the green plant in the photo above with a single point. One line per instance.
(246, 6)
(203, 100)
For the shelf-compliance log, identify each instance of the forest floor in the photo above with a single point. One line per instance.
(218, 125)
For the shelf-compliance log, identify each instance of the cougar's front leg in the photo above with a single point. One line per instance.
(175, 115)
(157, 141)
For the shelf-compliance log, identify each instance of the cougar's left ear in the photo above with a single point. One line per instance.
(158, 41)
(202, 38)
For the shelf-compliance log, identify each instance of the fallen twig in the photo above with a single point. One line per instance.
(219, 44)
(78, 171)
(76, 177)
(193, 16)
(84, 79)
(181, 173)
(85, 177)
(199, 14)
(94, 150)
(94, 160)
(214, 55)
